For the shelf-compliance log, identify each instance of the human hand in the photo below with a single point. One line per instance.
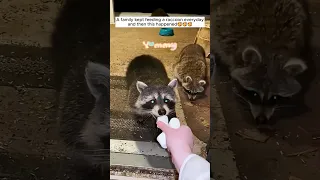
(179, 142)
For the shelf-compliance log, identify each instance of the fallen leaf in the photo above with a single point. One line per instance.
(294, 178)
(252, 134)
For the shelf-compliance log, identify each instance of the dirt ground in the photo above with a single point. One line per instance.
(293, 152)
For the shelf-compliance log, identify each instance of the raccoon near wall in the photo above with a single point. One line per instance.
(80, 45)
(159, 12)
(150, 92)
(84, 116)
(266, 46)
(191, 69)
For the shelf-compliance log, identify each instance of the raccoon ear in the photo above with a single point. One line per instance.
(289, 87)
(173, 83)
(141, 86)
(187, 79)
(97, 78)
(251, 55)
(295, 66)
(202, 82)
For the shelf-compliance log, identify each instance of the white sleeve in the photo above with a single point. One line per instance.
(194, 167)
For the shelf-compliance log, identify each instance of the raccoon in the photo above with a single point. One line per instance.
(159, 12)
(77, 40)
(84, 115)
(151, 94)
(190, 70)
(265, 45)
(81, 74)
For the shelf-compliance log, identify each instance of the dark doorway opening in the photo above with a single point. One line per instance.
(199, 7)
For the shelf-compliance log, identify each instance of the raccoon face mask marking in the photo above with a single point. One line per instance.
(192, 87)
(97, 126)
(266, 79)
(156, 101)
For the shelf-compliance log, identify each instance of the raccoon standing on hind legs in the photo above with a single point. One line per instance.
(151, 94)
(266, 46)
(190, 70)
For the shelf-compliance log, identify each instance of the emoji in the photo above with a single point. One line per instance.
(189, 23)
(184, 24)
(179, 24)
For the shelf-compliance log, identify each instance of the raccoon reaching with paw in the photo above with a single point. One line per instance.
(265, 45)
(151, 93)
(190, 70)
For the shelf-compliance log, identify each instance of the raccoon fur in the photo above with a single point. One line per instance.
(84, 115)
(77, 40)
(265, 45)
(151, 94)
(190, 70)
(80, 58)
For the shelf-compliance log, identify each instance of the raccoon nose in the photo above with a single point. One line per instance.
(261, 119)
(162, 112)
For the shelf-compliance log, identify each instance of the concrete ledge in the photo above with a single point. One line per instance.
(130, 172)
(143, 161)
(127, 178)
(137, 147)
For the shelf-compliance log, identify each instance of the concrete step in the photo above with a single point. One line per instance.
(112, 177)
(138, 171)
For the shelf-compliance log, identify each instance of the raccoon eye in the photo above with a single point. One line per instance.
(255, 94)
(187, 91)
(274, 97)
(166, 100)
(152, 101)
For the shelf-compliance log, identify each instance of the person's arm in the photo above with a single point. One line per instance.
(194, 167)
(180, 142)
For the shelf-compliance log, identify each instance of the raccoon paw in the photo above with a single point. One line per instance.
(172, 115)
(140, 121)
(158, 131)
